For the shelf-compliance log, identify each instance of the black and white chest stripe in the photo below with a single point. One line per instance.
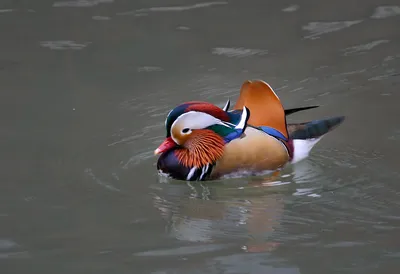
(199, 173)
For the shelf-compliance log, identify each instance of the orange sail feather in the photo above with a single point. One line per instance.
(265, 107)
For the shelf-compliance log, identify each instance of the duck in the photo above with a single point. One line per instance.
(207, 142)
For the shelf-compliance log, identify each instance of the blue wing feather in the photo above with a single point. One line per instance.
(273, 132)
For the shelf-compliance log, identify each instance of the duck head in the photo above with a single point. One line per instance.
(196, 133)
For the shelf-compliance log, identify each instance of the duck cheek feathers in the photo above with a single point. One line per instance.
(178, 137)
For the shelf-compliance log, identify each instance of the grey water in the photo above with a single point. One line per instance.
(85, 86)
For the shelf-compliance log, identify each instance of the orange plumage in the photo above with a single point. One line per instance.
(203, 147)
(265, 107)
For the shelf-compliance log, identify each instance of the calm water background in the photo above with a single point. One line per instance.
(85, 87)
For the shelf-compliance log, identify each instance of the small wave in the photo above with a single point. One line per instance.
(386, 75)
(149, 69)
(238, 52)
(64, 45)
(137, 159)
(246, 173)
(89, 172)
(318, 28)
(183, 28)
(100, 18)
(187, 250)
(383, 12)
(80, 3)
(7, 244)
(359, 49)
(291, 8)
(173, 8)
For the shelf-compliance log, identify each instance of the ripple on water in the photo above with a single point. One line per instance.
(63, 45)
(185, 28)
(100, 18)
(344, 244)
(391, 58)
(238, 52)
(89, 172)
(360, 49)
(9, 250)
(138, 158)
(139, 134)
(149, 69)
(355, 202)
(383, 12)
(209, 85)
(208, 213)
(395, 135)
(254, 263)
(318, 28)
(388, 73)
(80, 3)
(173, 8)
(260, 215)
(291, 8)
(7, 244)
(187, 250)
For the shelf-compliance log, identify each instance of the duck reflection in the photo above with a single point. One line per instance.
(217, 212)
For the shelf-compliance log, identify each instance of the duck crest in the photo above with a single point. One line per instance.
(237, 119)
(198, 106)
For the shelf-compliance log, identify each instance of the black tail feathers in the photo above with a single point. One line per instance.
(313, 129)
(293, 110)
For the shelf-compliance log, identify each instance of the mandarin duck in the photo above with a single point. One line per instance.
(205, 142)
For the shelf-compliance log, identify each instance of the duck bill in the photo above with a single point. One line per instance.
(168, 144)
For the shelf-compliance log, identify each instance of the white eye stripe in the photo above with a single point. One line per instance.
(193, 120)
(196, 120)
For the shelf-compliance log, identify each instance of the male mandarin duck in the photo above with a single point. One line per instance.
(205, 142)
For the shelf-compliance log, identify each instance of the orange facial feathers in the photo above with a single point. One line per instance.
(204, 147)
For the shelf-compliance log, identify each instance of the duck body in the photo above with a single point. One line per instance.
(205, 142)
(255, 151)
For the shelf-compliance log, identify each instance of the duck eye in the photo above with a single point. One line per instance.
(185, 130)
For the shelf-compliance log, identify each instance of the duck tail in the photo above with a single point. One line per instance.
(304, 136)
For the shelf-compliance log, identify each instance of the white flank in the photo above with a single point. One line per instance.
(302, 148)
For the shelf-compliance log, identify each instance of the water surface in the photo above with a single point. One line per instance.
(85, 87)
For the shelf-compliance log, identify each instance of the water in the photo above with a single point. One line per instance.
(85, 87)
